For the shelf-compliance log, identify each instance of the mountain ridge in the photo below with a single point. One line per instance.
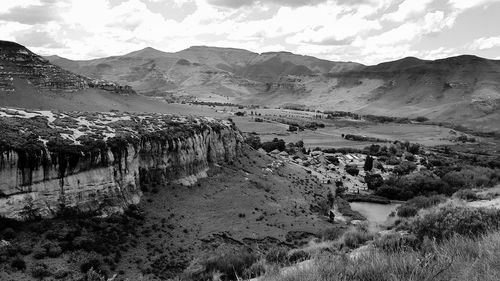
(462, 89)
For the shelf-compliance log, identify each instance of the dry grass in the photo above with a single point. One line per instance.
(458, 258)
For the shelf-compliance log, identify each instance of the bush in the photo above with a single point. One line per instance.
(405, 168)
(9, 233)
(274, 144)
(395, 242)
(374, 181)
(40, 271)
(39, 253)
(472, 177)
(410, 186)
(332, 233)
(255, 270)
(449, 220)
(352, 170)
(229, 263)
(466, 194)
(356, 237)
(18, 263)
(94, 264)
(421, 119)
(406, 211)
(424, 202)
(278, 256)
(298, 256)
(54, 251)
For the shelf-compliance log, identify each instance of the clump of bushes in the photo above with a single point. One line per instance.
(410, 186)
(18, 263)
(40, 271)
(466, 194)
(276, 143)
(352, 170)
(411, 207)
(406, 211)
(396, 242)
(405, 168)
(355, 237)
(447, 221)
(228, 264)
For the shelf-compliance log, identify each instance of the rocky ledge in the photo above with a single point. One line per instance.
(50, 161)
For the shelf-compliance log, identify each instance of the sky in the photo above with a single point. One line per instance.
(365, 31)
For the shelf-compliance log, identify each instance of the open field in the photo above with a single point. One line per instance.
(331, 135)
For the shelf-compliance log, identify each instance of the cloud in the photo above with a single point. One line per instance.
(406, 9)
(31, 14)
(484, 43)
(467, 4)
(433, 22)
(241, 3)
(358, 30)
(37, 38)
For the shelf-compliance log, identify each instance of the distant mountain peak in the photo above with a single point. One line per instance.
(146, 52)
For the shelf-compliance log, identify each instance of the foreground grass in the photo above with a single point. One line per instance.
(457, 258)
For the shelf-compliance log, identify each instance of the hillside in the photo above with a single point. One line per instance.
(463, 90)
(28, 80)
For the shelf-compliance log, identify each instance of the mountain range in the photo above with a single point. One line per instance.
(463, 90)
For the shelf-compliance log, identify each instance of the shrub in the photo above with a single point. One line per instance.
(54, 251)
(356, 237)
(332, 233)
(424, 202)
(40, 271)
(278, 256)
(94, 264)
(39, 253)
(449, 220)
(298, 256)
(253, 141)
(229, 264)
(352, 170)
(421, 119)
(472, 177)
(405, 168)
(396, 242)
(25, 248)
(374, 181)
(406, 211)
(274, 144)
(18, 263)
(255, 270)
(409, 186)
(9, 233)
(466, 194)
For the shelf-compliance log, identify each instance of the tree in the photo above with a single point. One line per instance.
(29, 211)
(352, 170)
(374, 181)
(368, 163)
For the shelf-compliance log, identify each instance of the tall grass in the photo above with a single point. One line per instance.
(457, 258)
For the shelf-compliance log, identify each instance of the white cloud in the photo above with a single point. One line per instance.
(484, 43)
(467, 4)
(361, 30)
(406, 9)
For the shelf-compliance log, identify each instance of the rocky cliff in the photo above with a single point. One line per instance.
(17, 63)
(52, 161)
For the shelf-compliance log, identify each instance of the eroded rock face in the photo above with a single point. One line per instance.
(95, 161)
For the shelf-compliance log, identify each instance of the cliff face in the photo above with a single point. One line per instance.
(17, 63)
(97, 162)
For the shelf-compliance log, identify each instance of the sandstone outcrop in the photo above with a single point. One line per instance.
(97, 161)
(19, 63)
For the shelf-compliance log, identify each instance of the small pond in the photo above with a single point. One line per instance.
(374, 213)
